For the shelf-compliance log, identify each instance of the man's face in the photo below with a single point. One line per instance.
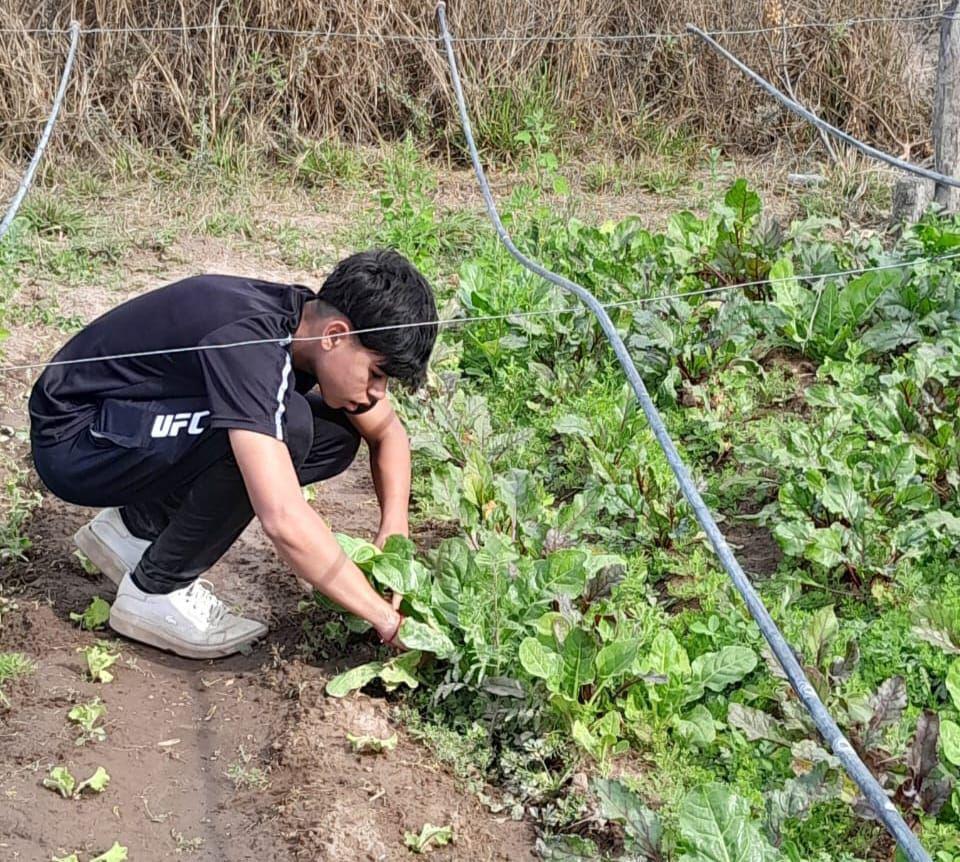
(351, 377)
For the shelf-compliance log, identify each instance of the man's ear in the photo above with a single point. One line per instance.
(334, 330)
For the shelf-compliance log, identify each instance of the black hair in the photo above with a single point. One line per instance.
(381, 287)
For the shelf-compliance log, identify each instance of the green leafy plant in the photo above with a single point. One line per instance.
(86, 715)
(365, 744)
(95, 616)
(61, 780)
(429, 836)
(99, 658)
(13, 665)
(117, 853)
(716, 825)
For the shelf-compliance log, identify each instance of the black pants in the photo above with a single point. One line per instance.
(185, 494)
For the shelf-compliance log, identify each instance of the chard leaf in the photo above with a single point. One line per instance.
(922, 756)
(716, 827)
(806, 754)
(563, 573)
(539, 661)
(826, 546)
(616, 659)
(950, 741)
(717, 670)
(820, 630)
(419, 636)
(697, 727)
(840, 498)
(353, 679)
(953, 683)
(667, 656)
(754, 723)
(799, 795)
(579, 652)
(360, 551)
(401, 670)
(888, 703)
(621, 805)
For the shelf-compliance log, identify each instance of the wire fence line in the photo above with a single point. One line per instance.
(482, 37)
(517, 314)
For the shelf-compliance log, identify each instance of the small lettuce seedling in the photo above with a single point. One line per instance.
(430, 835)
(117, 853)
(61, 780)
(87, 715)
(371, 744)
(99, 658)
(95, 616)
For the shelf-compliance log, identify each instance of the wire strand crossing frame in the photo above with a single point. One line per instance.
(840, 745)
(819, 122)
(45, 137)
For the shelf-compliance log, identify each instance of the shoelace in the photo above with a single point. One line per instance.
(200, 598)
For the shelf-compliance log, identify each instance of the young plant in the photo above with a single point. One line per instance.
(86, 715)
(371, 744)
(95, 616)
(430, 836)
(61, 780)
(99, 658)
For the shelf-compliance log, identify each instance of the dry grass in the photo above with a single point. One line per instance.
(185, 88)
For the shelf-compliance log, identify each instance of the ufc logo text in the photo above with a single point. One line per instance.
(171, 424)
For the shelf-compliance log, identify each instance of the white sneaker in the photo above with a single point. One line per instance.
(109, 545)
(190, 622)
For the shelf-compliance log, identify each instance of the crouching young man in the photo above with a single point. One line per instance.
(183, 447)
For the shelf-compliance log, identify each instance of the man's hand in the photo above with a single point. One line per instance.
(391, 634)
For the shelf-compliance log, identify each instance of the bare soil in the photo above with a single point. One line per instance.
(176, 728)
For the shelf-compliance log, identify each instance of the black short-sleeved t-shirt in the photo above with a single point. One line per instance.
(242, 387)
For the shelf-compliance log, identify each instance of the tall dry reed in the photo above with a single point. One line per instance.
(183, 86)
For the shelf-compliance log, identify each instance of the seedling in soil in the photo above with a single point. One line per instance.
(66, 785)
(246, 777)
(429, 836)
(117, 853)
(371, 744)
(98, 660)
(86, 564)
(95, 616)
(12, 665)
(87, 715)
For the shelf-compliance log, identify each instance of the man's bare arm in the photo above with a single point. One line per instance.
(299, 533)
(389, 466)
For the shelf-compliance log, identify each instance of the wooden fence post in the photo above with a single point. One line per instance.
(946, 109)
(912, 195)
